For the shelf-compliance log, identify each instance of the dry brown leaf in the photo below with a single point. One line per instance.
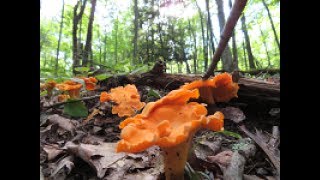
(94, 112)
(222, 159)
(234, 114)
(52, 151)
(64, 123)
(100, 157)
(62, 169)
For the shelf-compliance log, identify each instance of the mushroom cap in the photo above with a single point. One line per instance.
(90, 83)
(50, 84)
(222, 87)
(69, 85)
(166, 122)
(127, 100)
(63, 97)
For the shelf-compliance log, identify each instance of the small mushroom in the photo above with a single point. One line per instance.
(126, 99)
(90, 83)
(73, 88)
(220, 88)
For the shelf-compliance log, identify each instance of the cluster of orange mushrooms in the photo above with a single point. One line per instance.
(172, 121)
(72, 88)
(169, 123)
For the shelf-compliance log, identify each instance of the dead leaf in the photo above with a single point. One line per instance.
(64, 123)
(222, 159)
(94, 112)
(234, 114)
(100, 157)
(63, 168)
(52, 151)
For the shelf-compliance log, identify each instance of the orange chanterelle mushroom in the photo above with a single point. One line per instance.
(72, 87)
(217, 89)
(49, 87)
(169, 123)
(90, 82)
(126, 99)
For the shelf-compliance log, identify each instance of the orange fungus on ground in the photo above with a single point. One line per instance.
(90, 83)
(126, 99)
(221, 87)
(72, 87)
(167, 122)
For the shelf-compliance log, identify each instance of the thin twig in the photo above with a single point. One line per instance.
(235, 13)
(65, 102)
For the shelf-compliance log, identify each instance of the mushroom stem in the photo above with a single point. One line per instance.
(74, 93)
(175, 159)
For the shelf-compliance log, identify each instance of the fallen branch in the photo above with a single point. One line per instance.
(66, 102)
(235, 13)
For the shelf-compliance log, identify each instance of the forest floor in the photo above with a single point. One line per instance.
(84, 148)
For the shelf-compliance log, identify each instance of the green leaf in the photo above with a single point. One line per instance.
(103, 76)
(139, 70)
(43, 93)
(75, 109)
(153, 93)
(229, 133)
(82, 69)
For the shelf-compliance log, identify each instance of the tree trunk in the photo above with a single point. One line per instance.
(105, 48)
(244, 55)
(76, 18)
(100, 47)
(234, 47)
(88, 46)
(209, 26)
(116, 41)
(272, 25)
(135, 39)
(226, 55)
(195, 49)
(247, 40)
(59, 41)
(265, 46)
(204, 42)
(45, 60)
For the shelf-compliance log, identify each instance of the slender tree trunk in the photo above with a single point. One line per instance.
(100, 47)
(209, 26)
(59, 41)
(147, 39)
(247, 40)
(244, 55)
(116, 41)
(135, 40)
(179, 68)
(45, 60)
(226, 55)
(234, 47)
(204, 42)
(76, 18)
(195, 48)
(272, 25)
(88, 46)
(265, 46)
(105, 48)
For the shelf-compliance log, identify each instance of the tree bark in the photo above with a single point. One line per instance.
(135, 39)
(272, 25)
(234, 47)
(244, 55)
(209, 26)
(105, 48)
(116, 47)
(59, 40)
(195, 48)
(226, 55)
(265, 46)
(204, 42)
(76, 18)
(88, 46)
(247, 40)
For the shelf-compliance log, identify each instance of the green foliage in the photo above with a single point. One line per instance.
(75, 109)
(43, 93)
(154, 93)
(104, 76)
(195, 175)
(229, 133)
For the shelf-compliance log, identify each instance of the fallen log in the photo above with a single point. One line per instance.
(251, 90)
